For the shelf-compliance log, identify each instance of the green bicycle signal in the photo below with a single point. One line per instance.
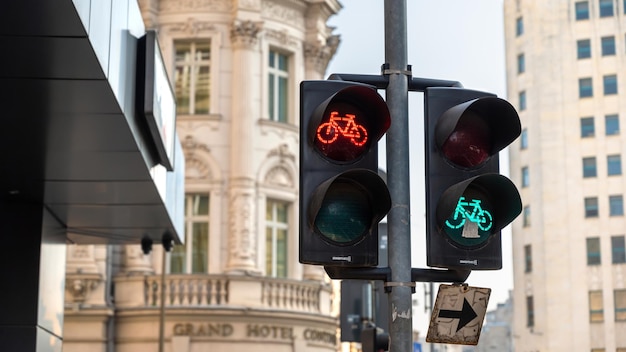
(469, 224)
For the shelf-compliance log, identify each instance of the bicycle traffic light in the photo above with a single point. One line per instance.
(342, 198)
(467, 201)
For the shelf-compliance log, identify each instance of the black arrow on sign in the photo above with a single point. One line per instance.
(466, 314)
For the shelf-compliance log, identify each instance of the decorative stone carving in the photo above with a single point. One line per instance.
(195, 5)
(282, 152)
(318, 55)
(190, 28)
(282, 38)
(279, 176)
(79, 286)
(244, 34)
(242, 246)
(282, 13)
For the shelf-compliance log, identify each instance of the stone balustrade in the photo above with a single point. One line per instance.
(232, 291)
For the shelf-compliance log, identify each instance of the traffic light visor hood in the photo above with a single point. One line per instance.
(344, 126)
(345, 208)
(482, 126)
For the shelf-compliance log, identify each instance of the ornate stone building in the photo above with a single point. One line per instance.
(236, 284)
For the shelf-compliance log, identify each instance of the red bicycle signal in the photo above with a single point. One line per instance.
(329, 132)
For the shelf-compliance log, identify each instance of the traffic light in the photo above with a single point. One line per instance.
(374, 339)
(342, 198)
(467, 201)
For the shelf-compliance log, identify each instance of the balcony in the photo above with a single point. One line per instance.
(201, 292)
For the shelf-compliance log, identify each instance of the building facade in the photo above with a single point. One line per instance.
(566, 64)
(236, 284)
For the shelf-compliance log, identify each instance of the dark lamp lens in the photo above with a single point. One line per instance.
(342, 135)
(469, 145)
(345, 215)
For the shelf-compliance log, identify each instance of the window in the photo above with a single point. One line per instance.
(593, 251)
(591, 207)
(193, 256)
(530, 312)
(276, 227)
(608, 46)
(192, 77)
(521, 63)
(583, 48)
(519, 26)
(528, 259)
(522, 100)
(606, 8)
(587, 128)
(620, 304)
(582, 10)
(524, 139)
(618, 253)
(585, 88)
(589, 167)
(278, 86)
(610, 84)
(611, 125)
(616, 205)
(614, 164)
(526, 216)
(525, 177)
(596, 307)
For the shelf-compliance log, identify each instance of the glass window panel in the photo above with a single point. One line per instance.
(614, 164)
(281, 253)
(182, 85)
(521, 63)
(524, 139)
(203, 88)
(606, 8)
(618, 252)
(178, 260)
(589, 167)
(610, 84)
(282, 100)
(596, 307)
(269, 251)
(583, 48)
(608, 45)
(519, 26)
(593, 251)
(620, 304)
(616, 205)
(276, 234)
(611, 125)
(200, 249)
(530, 311)
(525, 177)
(587, 128)
(271, 96)
(522, 101)
(528, 259)
(201, 205)
(582, 10)
(591, 207)
(585, 88)
(526, 216)
(282, 62)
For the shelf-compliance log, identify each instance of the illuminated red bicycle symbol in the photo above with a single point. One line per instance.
(328, 132)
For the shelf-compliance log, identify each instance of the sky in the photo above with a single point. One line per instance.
(457, 40)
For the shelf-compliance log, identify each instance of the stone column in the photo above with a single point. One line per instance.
(245, 109)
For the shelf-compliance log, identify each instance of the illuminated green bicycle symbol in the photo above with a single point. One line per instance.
(470, 211)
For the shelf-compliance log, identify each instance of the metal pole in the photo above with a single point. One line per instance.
(400, 308)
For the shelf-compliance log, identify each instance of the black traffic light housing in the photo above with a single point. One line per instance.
(374, 339)
(467, 201)
(342, 198)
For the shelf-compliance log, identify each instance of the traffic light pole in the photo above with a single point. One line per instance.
(398, 218)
